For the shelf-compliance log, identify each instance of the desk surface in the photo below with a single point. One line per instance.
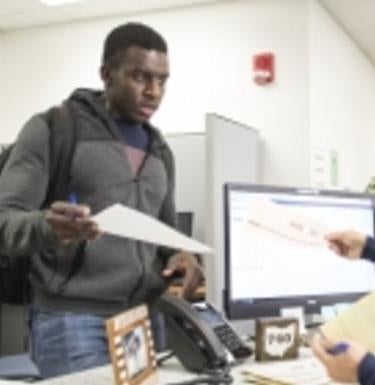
(172, 372)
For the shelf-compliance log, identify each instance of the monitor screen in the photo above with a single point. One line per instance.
(185, 222)
(266, 272)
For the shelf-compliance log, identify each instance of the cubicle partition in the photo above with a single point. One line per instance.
(228, 151)
(232, 155)
(190, 160)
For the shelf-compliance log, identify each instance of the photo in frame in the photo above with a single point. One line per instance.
(131, 347)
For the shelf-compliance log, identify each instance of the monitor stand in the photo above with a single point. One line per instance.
(245, 328)
(297, 312)
(312, 321)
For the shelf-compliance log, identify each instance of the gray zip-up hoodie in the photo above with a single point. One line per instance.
(116, 273)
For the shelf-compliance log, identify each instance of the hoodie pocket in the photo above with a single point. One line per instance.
(110, 271)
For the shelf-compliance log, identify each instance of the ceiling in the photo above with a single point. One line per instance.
(15, 14)
(355, 16)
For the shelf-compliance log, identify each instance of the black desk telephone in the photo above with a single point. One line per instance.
(198, 335)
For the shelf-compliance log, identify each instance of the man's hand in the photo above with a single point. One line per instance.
(342, 367)
(347, 243)
(186, 264)
(71, 222)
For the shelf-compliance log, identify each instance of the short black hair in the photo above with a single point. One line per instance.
(128, 35)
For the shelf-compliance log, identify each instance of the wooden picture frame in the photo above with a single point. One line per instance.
(131, 347)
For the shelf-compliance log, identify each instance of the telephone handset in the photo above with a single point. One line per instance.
(193, 337)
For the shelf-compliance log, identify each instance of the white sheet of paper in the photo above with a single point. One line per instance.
(129, 223)
(285, 222)
(306, 371)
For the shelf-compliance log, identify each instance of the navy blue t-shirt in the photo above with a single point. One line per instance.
(137, 141)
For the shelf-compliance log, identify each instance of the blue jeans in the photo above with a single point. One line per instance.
(65, 342)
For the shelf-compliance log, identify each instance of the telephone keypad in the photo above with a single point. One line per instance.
(231, 341)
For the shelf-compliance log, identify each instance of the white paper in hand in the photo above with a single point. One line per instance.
(129, 223)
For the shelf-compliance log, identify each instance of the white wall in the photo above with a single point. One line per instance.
(210, 51)
(342, 94)
(322, 95)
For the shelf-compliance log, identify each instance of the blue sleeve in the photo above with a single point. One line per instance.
(369, 249)
(366, 370)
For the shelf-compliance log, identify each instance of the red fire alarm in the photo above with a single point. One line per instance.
(264, 68)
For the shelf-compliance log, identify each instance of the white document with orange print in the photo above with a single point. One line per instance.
(285, 222)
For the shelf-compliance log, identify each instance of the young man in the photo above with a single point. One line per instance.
(119, 157)
(355, 364)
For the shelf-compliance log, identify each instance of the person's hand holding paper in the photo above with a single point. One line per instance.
(354, 328)
(70, 222)
(347, 243)
(342, 366)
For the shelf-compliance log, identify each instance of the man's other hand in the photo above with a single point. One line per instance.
(71, 222)
(347, 243)
(187, 265)
(342, 367)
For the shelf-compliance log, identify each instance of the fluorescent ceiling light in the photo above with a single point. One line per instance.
(54, 3)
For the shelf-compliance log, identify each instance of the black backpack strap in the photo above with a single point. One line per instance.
(62, 124)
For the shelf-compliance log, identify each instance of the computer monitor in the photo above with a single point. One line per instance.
(265, 273)
(185, 222)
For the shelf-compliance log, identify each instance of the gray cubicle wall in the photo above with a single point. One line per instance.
(190, 159)
(232, 155)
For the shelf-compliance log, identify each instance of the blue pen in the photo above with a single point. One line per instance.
(73, 198)
(340, 347)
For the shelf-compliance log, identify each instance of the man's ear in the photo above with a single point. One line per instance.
(105, 74)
